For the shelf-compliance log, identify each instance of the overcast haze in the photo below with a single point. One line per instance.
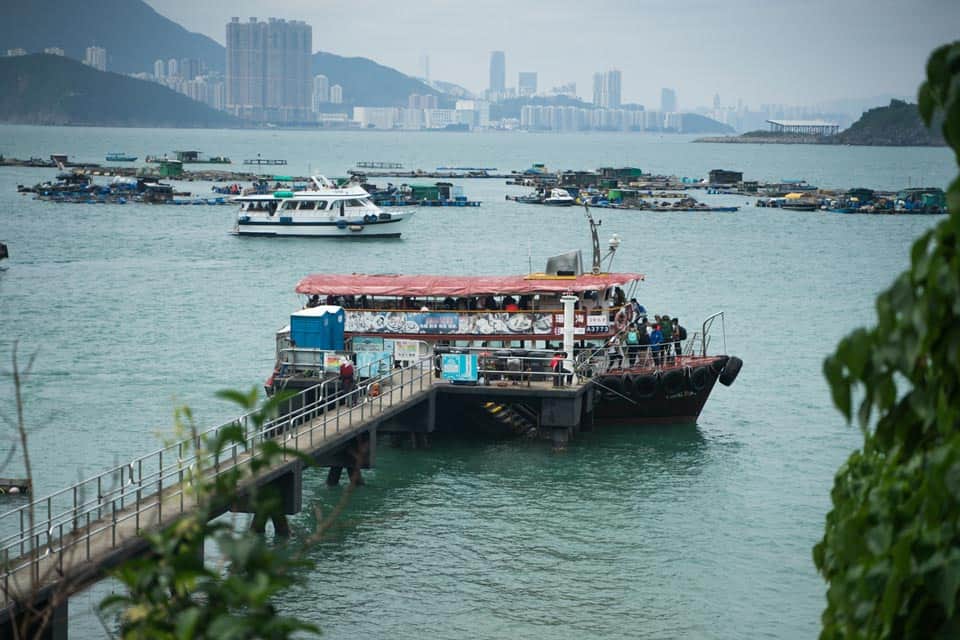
(801, 52)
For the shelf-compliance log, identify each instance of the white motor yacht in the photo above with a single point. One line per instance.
(322, 210)
(559, 198)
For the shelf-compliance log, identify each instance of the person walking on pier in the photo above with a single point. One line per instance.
(346, 379)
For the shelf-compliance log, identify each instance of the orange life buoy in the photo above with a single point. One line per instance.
(375, 389)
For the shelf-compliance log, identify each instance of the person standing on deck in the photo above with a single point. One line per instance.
(633, 345)
(666, 330)
(614, 352)
(656, 337)
(679, 335)
(643, 359)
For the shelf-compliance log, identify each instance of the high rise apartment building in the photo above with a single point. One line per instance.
(668, 100)
(96, 57)
(606, 89)
(268, 69)
(526, 83)
(321, 92)
(498, 72)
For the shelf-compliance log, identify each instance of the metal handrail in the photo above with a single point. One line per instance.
(68, 518)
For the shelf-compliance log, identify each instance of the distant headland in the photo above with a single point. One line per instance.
(896, 125)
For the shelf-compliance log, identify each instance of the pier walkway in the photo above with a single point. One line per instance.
(58, 544)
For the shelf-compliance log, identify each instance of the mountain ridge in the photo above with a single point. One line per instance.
(54, 90)
(135, 35)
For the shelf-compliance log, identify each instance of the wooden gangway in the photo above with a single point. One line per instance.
(69, 538)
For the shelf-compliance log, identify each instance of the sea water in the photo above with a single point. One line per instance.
(698, 531)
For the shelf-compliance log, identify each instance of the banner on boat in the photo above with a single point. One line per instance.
(582, 324)
(451, 322)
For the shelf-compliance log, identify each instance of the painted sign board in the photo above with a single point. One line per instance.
(459, 367)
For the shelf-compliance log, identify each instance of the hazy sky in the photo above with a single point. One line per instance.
(779, 51)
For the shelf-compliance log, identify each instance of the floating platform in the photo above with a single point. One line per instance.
(419, 173)
(265, 161)
(428, 203)
(379, 165)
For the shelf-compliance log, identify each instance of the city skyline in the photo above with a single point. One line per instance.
(759, 51)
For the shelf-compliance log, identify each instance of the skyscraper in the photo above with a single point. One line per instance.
(498, 72)
(606, 89)
(321, 92)
(159, 69)
(425, 67)
(189, 68)
(96, 57)
(173, 68)
(268, 69)
(526, 83)
(336, 94)
(668, 100)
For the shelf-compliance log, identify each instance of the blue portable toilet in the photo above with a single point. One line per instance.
(318, 328)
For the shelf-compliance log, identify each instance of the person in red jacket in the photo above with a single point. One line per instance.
(346, 378)
(556, 365)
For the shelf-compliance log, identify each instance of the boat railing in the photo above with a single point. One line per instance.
(707, 327)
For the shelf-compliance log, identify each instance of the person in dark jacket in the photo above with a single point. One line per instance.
(656, 340)
(679, 335)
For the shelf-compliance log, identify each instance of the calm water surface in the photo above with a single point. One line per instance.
(701, 531)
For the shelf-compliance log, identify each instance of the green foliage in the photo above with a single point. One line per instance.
(891, 549)
(46, 89)
(898, 124)
(172, 594)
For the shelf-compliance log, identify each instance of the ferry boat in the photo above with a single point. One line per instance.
(515, 325)
(323, 209)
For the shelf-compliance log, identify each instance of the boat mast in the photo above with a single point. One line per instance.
(596, 240)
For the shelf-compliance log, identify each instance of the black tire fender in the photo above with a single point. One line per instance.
(718, 364)
(674, 382)
(646, 385)
(730, 371)
(612, 385)
(698, 378)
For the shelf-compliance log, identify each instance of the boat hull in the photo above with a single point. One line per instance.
(675, 395)
(277, 226)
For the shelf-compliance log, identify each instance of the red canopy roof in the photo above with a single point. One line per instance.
(437, 286)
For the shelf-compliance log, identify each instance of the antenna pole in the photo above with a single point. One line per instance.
(596, 240)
